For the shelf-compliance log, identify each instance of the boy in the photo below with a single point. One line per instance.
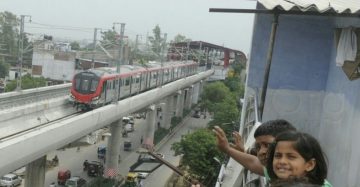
(264, 135)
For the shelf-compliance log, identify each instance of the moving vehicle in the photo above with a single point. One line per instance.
(10, 180)
(75, 182)
(63, 175)
(95, 169)
(97, 87)
(131, 180)
(127, 145)
(101, 151)
(142, 175)
(129, 127)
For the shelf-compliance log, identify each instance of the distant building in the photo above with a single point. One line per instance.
(53, 61)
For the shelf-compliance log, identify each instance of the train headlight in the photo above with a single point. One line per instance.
(95, 98)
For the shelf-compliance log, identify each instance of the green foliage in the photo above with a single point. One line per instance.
(198, 150)
(157, 42)
(175, 121)
(75, 45)
(109, 40)
(226, 114)
(214, 93)
(160, 133)
(4, 69)
(27, 82)
(180, 38)
(9, 35)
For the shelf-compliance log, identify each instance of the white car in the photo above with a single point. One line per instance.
(10, 180)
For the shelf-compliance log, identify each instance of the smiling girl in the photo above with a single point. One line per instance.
(296, 154)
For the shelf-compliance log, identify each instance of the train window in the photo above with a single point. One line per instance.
(121, 82)
(109, 85)
(113, 84)
(155, 75)
(137, 79)
(85, 85)
(127, 81)
(94, 84)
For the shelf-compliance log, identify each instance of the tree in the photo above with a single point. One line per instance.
(9, 37)
(75, 45)
(198, 150)
(27, 82)
(180, 38)
(226, 114)
(214, 93)
(109, 40)
(4, 69)
(157, 43)
(9, 43)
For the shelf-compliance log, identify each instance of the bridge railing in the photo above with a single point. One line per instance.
(250, 121)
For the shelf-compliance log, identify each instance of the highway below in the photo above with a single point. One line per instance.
(72, 158)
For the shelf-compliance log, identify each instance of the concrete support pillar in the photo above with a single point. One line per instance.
(168, 112)
(35, 173)
(188, 100)
(201, 87)
(160, 114)
(150, 128)
(180, 103)
(195, 97)
(113, 149)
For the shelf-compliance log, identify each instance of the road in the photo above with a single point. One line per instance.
(164, 173)
(72, 158)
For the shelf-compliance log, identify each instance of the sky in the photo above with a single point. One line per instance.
(76, 19)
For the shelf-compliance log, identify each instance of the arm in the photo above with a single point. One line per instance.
(250, 162)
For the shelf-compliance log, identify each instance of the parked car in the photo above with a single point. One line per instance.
(75, 182)
(10, 180)
(63, 175)
(95, 169)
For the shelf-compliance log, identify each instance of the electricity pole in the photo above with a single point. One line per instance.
(120, 61)
(121, 44)
(94, 48)
(163, 48)
(21, 49)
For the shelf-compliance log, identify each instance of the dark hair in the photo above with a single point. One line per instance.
(309, 148)
(273, 128)
(293, 182)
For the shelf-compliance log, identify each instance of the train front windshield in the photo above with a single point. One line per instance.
(86, 82)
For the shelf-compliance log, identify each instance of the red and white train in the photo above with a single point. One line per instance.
(97, 87)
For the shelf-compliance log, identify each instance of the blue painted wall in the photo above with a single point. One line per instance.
(301, 53)
(308, 89)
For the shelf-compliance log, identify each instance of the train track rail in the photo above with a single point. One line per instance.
(15, 99)
(37, 127)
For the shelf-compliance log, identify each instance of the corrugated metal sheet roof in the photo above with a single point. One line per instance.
(338, 6)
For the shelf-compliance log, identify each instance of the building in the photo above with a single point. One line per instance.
(304, 85)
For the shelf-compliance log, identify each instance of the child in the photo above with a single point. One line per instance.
(296, 154)
(264, 136)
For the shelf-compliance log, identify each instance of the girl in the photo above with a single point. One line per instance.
(296, 154)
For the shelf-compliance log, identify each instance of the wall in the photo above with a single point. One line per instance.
(306, 88)
(53, 68)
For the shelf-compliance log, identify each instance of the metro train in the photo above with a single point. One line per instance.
(97, 87)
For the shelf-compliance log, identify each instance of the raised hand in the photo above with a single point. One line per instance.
(222, 141)
(239, 144)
